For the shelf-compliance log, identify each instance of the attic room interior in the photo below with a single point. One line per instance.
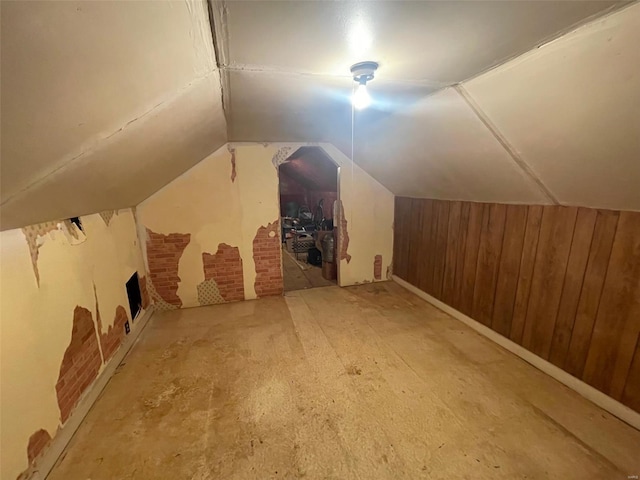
(309, 239)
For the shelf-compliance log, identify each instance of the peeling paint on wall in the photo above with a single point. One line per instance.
(163, 255)
(37, 443)
(266, 256)
(377, 267)
(111, 340)
(281, 156)
(107, 216)
(160, 304)
(144, 292)
(33, 234)
(81, 362)
(208, 293)
(343, 235)
(225, 268)
(232, 151)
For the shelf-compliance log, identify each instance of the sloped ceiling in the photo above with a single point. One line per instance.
(103, 103)
(458, 112)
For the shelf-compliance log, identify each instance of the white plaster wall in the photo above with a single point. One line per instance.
(36, 321)
(368, 208)
(205, 203)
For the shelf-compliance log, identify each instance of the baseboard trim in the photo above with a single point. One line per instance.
(45, 464)
(605, 402)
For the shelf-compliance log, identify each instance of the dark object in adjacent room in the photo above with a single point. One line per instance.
(314, 257)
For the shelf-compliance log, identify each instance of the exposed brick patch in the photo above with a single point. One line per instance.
(81, 362)
(266, 255)
(159, 303)
(111, 340)
(233, 164)
(163, 257)
(377, 267)
(344, 236)
(144, 291)
(37, 443)
(225, 267)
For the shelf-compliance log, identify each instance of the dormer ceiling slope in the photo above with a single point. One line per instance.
(103, 103)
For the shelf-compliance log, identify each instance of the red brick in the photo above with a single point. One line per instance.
(163, 256)
(37, 443)
(343, 236)
(266, 256)
(377, 267)
(81, 361)
(225, 268)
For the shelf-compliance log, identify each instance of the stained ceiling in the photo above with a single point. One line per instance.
(103, 103)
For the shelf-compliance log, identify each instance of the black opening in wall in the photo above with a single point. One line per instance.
(133, 292)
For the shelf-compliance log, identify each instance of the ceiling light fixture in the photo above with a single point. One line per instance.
(362, 72)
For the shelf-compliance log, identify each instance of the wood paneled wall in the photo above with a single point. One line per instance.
(563, 282)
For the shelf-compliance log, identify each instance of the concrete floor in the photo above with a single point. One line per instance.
(368, 382)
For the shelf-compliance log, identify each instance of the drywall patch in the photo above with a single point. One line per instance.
(208, 293)
(80, 364)
(107, 216)
(111, 340)
(34, 234)
(225, 267)
(163, 256)
(37, 443)
(344, 236)
(144, 292)
(281, 156)
(266, 256)
(232, 151)
(377, 267)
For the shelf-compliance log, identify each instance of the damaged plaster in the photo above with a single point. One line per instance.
(343, 235)
(267, 258)
(34, 234)
(81, 363)
(232, 151)
(377, 267)
(209, 293)
(107, 216)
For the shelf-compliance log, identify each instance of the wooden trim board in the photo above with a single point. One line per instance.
(43, 466)
(605, 402)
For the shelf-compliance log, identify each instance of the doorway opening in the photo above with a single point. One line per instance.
(308, 207)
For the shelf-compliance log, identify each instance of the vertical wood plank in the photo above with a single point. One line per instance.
(599, 254)
(631, 394)
(523, 291)
(415, 247)
(509, 269)
(556, 233)
(574, 278)
(426, 260)
(476, 211)
(451, 257)
(489, 252)
(618, 320)
(440, 250)
(399, 257)
(462, 242)
(431, 254)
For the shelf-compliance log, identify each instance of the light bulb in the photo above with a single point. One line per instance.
(361, 98)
